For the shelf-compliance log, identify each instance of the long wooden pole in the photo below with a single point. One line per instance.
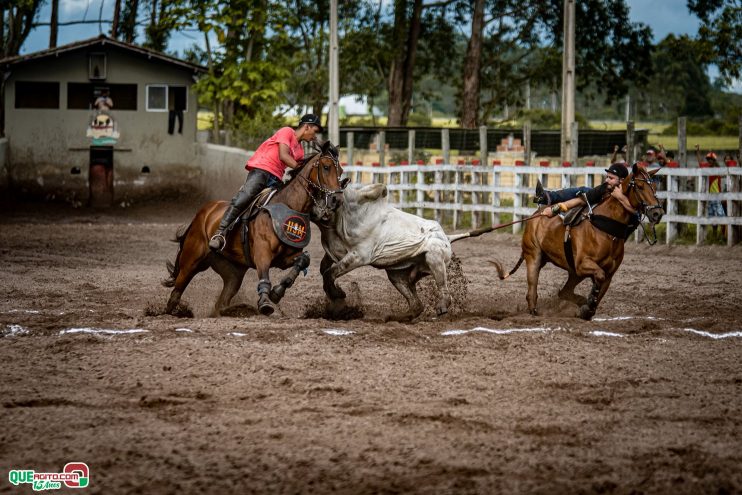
(568, 81)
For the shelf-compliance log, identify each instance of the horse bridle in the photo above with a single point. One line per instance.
(644, 208)
(318, 186)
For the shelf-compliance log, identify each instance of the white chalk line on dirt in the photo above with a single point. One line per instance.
(337, 331)
(499, 331)
(603, 333)
(237, 334)
(184, 330)
(715, 336)
(13, 330)
(623, 318)
(104, 331)
(27, 311)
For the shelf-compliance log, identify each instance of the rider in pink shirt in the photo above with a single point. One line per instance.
(265, 169)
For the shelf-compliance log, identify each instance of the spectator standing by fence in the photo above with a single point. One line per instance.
(715, 208)
(619, 156)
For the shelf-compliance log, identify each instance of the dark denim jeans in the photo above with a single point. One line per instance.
(561, 195)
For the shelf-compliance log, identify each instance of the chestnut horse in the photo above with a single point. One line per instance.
(595, 253)
(316, 182)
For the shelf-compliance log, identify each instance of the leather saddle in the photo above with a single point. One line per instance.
(575, 216)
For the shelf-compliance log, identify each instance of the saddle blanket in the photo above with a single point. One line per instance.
(291, 227)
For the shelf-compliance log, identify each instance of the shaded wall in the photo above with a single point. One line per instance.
(48, 145)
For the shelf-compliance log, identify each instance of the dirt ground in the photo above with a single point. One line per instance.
(646, 398)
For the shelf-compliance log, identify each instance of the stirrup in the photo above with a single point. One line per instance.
(218, 242)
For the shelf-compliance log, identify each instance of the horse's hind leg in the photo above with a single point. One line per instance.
(567, 292)
(404, 282)
(534, 264)
(232, 276)
(192, 260)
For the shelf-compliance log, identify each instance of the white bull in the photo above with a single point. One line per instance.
(366, 230)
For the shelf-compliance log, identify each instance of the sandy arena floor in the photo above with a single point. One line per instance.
(646, 398)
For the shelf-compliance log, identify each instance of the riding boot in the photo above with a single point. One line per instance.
(542, 196)
(219, 239)
(254, 183)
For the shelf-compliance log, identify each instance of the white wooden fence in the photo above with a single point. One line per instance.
(483, 193)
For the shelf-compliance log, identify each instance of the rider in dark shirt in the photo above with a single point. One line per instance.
(610, 187)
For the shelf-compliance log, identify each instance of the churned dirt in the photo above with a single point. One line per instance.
(646, 398)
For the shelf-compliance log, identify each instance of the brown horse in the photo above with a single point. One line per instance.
(316, 182)
(595, 253)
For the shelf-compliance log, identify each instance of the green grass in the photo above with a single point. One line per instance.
(705, 142)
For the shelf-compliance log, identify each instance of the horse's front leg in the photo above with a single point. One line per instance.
(301, 263)
(262, 262)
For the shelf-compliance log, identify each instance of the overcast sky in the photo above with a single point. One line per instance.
(664, 16)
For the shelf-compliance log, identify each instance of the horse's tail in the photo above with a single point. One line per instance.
(174, 268)
(501, 271)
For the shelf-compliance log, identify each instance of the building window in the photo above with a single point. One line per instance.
(156, 98)
(36, 94)
(97, 66)
(82, 95)
(163, 97)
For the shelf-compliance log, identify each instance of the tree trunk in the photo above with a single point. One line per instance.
(2, 35)
(396, 70)
(414, 35)
(472, 69)
(403, 64)
(128, 28)
(54, 24)
(116, 17)
(20, 23)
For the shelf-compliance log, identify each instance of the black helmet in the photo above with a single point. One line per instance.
(310, 118)
(619, 170)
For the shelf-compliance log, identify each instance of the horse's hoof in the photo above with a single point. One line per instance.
(277, 293)
(441, 311)
(533, 312)
(586, 313)
(266, 309)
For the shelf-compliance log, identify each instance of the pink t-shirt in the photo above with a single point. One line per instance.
(266, 156)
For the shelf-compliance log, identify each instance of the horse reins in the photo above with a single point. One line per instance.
(644, 207)
(318, 186)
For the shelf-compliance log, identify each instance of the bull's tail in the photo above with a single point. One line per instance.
(174, 268)
(501, 271)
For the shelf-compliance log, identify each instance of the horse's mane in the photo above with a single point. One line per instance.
(295, 171)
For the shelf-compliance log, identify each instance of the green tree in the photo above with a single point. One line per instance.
(720, 35)
(522, 40)
(16, 21)
(127, 29)
(681, 83)
(243, 85)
